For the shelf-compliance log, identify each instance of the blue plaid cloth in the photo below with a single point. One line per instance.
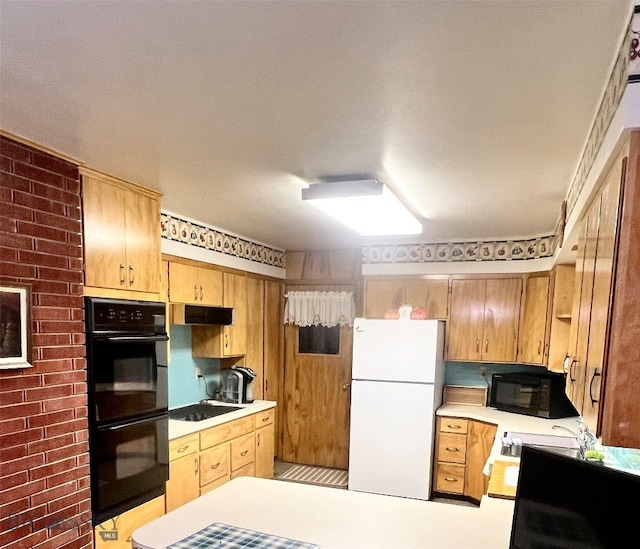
(223, 536)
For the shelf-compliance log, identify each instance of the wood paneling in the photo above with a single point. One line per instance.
(254, 354)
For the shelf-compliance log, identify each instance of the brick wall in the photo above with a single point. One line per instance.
(44, 460)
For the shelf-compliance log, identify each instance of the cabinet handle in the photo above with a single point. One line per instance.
(571, 378)
(244, 453)
(595, 375)
(486, 345)
(132, 275)
(196, 461)
(477, 345)
(454, 426)
(345, 386)
(258, 441)
(265, 419)
(452, 449)
(121, 273)
(226, 341)
(215, 466)
(451, 479)
(195, 293)
(201, 294)
(129, 539)
(539, 348)
(183, 448)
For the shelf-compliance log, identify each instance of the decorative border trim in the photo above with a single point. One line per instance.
(503, 250)
(205, 236)
(623, 72)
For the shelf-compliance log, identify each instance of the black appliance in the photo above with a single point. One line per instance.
(128, 403)
(567, 503)
(541, 395)
(236, 385)
(201, 314)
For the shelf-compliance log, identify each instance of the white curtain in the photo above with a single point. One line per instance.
(319, 308)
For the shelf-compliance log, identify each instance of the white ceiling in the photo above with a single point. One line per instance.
(474, 112)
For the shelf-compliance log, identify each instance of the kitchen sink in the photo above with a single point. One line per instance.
(513, 442)
(199, 412)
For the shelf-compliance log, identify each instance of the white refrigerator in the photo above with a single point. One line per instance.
(397, 377)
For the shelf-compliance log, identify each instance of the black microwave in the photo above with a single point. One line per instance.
(540, 395)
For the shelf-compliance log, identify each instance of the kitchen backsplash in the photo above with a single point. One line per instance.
(184, 387)
(468, 373)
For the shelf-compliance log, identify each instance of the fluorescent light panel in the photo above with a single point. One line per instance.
(367, 206)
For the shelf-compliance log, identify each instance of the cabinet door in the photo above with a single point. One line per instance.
(104, 234)
(601, 300)
(432, 295)
(534, 322)
(587, 258)
(235, 295)
(124, 525)
(254, 355)
(381, 295)
(265, 451)
(184, 481)
(466, 315)
(480, 439)
(501, 319)
(183, 283)
(142, 219)
(209, 283)
(273, 337)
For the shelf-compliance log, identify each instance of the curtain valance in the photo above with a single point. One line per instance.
(319, 308)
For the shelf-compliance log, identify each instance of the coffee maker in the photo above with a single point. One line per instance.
(236, 385)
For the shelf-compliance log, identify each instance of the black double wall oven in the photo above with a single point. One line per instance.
(128, 403)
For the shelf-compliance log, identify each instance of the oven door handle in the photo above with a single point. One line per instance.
(132, 423)
(136, 339)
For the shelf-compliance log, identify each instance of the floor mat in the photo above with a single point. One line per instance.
(310, 474)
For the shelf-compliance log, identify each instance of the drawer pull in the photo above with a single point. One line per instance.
(183, 448)
(265, 419)
(215, 466)
(452, 449)
(454, 426)
(451, 479)
(244, 453)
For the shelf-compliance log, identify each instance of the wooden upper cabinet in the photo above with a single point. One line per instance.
(533, 329)
(235, 295)
(484, 319)
(196, 285)
(391, 293)
(121, 234)
(560, 321)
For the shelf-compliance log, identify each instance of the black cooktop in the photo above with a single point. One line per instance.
(198, 412)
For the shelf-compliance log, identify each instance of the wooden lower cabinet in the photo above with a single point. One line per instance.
(116, 533)
(205, 460)
(462, 448)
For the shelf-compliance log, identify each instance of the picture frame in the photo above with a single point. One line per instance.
(15, 326)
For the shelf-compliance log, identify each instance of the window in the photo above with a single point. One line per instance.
(319, 340)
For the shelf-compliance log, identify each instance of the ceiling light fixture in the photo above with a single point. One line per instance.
(366, 205)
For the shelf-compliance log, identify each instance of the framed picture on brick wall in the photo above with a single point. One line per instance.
(15, 326)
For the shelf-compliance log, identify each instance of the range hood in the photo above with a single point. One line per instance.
(201, 315)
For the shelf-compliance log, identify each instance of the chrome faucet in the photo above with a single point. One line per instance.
(586, 439)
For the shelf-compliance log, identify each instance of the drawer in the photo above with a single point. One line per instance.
(264, 418)
(183, 446)
(452, 447)
(453, 425)
(215, 463)
(213, 485)
(248, 470)
(226, 431)
(450, 478)
(243, 451)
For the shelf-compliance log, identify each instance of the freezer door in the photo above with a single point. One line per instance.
(397, 350)
(391, 439)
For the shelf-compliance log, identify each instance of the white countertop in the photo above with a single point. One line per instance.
(335, 519)
(179, 428)
(507, 421)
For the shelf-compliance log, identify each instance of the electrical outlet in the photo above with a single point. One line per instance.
(483, 371)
